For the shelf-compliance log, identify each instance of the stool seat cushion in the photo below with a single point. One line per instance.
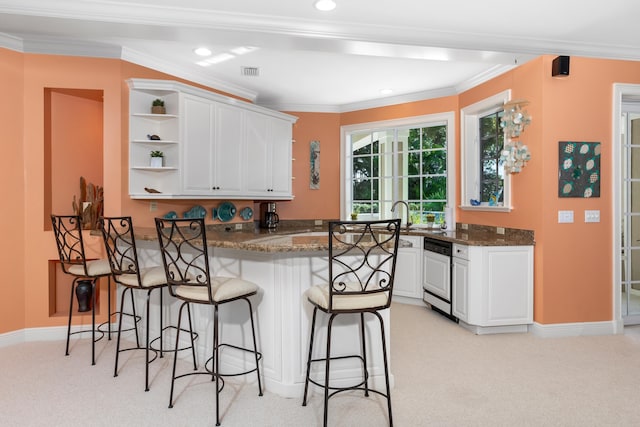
(98, 267)
(319, 295)
(222, 289)
(150, 277)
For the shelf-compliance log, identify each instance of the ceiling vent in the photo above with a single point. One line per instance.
(250, 71)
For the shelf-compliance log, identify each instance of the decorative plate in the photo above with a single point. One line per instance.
(171, 215)
(196, 212)
(246, 213)
(226, 211)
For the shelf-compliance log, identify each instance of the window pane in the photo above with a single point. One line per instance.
(434, 137)
(434, 162)
(399, 164)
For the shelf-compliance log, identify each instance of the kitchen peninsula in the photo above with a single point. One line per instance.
(284, 264)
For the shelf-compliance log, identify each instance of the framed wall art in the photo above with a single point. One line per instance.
(579, 169)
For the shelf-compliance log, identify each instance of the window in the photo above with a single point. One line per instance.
(483, 177)
(407, 160)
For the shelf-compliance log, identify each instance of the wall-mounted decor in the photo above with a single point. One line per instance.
(515, 119)
(314, 159)
(579, 169)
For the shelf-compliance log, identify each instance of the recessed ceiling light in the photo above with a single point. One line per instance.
(325, 5)
(386, 91)
(215, 59)
(202, 51)
(241, 50)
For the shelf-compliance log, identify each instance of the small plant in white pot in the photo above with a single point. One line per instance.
(157, 158)
(157, 106)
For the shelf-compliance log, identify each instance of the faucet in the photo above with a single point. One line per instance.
(406, 205)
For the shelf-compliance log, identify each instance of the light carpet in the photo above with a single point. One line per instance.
(444, 376)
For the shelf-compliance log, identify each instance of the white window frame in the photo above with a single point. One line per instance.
(470, 153)
(439, 118)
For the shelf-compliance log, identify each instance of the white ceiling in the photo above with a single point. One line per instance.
(327, 61)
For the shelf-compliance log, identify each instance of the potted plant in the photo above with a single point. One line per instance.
(157, 106)
(156, 159)
(354, 214)
(430, 219)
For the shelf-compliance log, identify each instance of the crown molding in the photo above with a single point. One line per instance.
(154, 63)
(11, 42)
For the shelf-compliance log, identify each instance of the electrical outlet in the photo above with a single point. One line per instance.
(591, 216)
(565, 217)
(318, 222)
(464, 226)
(239, 226)
(499, 230)
(153, 206)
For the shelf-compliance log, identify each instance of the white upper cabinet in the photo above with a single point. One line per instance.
(214, 146)
(268, 156)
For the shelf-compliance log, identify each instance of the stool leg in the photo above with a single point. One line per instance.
(93, 322)
(109, 308)
(326, 371)
(255, 347)
(146, 348)
(161, 323)
(306, 381)
(122, 298)
(73, 286)
(215, 365)
(386, 367)
(135, 318)
(364, 356)
(175, 354)
(193, 346)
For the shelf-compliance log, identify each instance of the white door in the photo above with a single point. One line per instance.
(630, 209)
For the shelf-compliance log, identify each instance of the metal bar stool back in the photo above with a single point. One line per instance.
(362, 262)
(67, 230)
(185, 257)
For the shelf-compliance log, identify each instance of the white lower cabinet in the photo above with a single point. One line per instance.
(460, 281)
(493, 287)
(407, 281)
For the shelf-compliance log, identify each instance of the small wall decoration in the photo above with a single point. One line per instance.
(579, 169)
(314, 159)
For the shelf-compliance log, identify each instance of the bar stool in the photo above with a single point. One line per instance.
(362, 262)
(67, 230)
(185, 257)
(122, 253)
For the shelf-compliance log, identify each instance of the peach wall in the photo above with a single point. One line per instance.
(46, 71)
(323, 203)
(12, 176)
(76, 148)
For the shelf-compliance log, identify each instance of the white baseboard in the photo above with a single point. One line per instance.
(559, 330)
(52, 333)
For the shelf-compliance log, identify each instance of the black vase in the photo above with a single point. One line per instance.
(84, 294)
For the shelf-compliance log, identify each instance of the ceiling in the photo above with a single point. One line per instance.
(334, 61)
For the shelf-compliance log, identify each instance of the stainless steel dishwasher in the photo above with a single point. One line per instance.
(436, 275)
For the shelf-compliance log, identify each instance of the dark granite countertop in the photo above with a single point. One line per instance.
(306, 236)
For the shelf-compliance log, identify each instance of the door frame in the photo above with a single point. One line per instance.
(620, 90)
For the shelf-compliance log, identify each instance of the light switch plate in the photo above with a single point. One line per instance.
(592, 216)
(565, 217)
(153, 206)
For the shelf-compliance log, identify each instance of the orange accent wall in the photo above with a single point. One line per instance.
(573, 261)
(12, 208)
(323, 203)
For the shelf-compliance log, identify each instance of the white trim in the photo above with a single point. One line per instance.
(619, 90)
(47, 333)
(563, 330)
(11, 338)
(469, 153)
(447, 117)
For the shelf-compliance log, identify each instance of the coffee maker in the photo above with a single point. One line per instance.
(268, 216)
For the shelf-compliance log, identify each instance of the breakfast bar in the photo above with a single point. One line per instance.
(284, 265)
